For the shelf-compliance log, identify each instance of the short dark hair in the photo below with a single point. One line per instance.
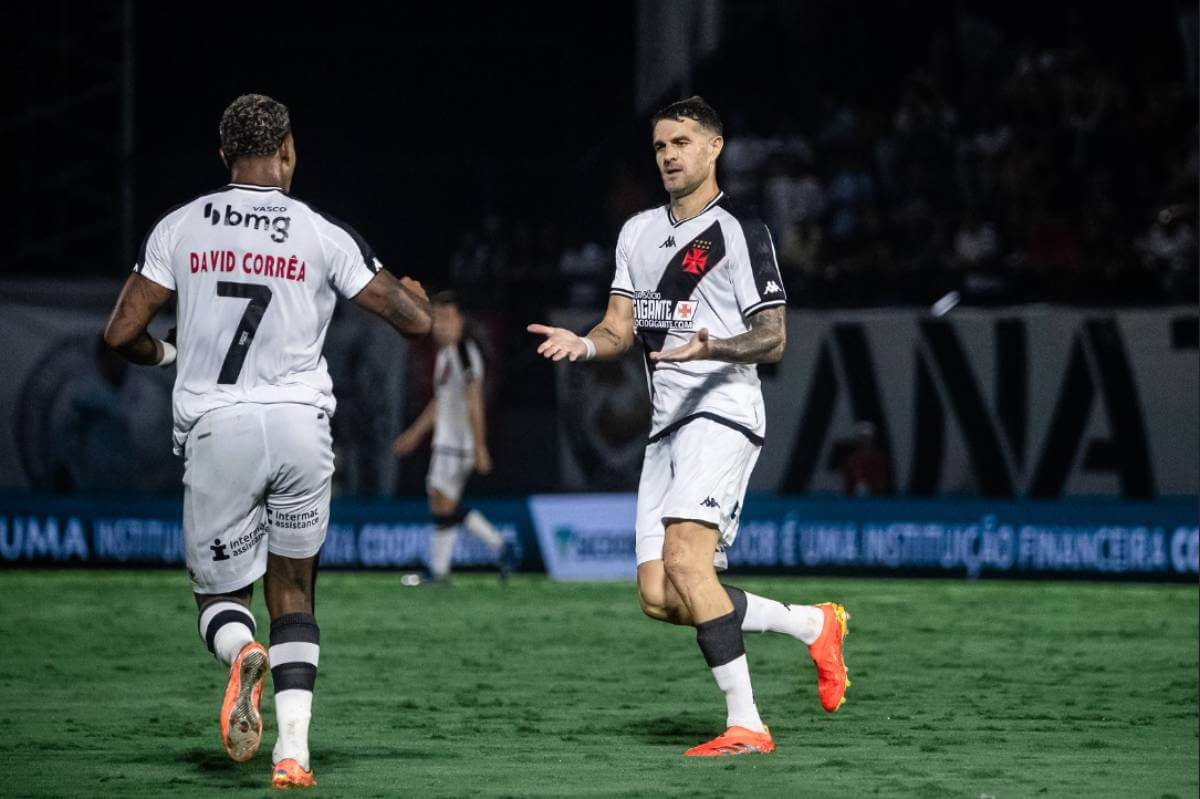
(446, 297)
(694, 107)
(253, 124)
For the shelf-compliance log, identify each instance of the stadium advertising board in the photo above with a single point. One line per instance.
(1039, 402)
(591, 538)
(40, 530)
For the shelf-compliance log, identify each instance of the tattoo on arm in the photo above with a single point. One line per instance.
(387, 297)
(604, 333)
(140, 300)
(762, 343)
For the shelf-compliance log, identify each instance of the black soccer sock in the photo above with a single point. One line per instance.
(720, 639)
(295, 652)
(738, 597)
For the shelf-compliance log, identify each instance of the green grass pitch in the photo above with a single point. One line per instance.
(1001, 689)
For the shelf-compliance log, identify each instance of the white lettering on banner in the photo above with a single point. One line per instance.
(408, 545)
(1185, 550)
(132, 539)
(34, 538)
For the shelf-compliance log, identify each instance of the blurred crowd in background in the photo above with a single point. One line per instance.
(1007, 166)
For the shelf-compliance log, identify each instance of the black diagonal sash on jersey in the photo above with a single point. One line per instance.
(685, 271)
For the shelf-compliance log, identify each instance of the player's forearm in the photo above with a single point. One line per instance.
(140, 348)
(611, 340)
(764, 342)
(423, 424)
(386, 297)
(476, 415)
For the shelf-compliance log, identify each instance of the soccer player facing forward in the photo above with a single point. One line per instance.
(697, 283)
(455, 415)
(256, 273)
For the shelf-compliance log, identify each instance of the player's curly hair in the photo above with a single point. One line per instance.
(694, 107)
(253, 124)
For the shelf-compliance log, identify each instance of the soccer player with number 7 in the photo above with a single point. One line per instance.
(256, 273)
(697, 284)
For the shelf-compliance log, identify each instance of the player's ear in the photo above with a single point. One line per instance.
(224, 160)
(287, 150)
(717, 143)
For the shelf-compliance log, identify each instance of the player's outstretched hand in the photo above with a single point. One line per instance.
(559, 343)
(696, 349)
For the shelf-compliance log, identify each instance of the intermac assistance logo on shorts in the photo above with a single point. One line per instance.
(652, 312)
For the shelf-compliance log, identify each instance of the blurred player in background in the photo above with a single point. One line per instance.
(256, 273)
(455, 415)
(697, 282)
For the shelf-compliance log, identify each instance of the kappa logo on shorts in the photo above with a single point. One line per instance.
(709, 502)
(218, 549)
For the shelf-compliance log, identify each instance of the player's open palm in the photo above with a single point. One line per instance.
(560, 343)
(696, 349)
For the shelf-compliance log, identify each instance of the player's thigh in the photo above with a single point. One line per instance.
(713, 468)
(448, 475)
(653, 487)
(298, 491)
(224, 476)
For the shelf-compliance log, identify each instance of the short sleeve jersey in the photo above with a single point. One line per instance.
(711, 271)
(257, 273)
(454, 369)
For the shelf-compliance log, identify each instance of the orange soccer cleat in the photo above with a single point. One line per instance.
(832, 676)
(241, 723)
(735, 741)
(287, 773)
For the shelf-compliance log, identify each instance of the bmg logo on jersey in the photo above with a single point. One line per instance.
(259, 219)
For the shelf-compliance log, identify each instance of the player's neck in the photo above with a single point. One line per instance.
(688, 205)
(258, 172)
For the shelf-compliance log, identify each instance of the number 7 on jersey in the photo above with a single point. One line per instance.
(260, 298)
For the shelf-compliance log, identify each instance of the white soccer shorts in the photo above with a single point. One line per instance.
(256, 480)
(449, 471)
(699, 472)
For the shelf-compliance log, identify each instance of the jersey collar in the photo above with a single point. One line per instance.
(677, 222)
(252, 187)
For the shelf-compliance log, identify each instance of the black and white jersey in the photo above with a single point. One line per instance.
(711, 271)
(456, 366)
(257, 273)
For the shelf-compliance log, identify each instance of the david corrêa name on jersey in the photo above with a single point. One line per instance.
(652, 312)
(254, 264)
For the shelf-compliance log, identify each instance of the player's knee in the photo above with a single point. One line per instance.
(681, 566)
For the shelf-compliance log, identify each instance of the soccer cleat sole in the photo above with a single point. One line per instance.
(243, 727)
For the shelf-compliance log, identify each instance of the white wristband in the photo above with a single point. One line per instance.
(168, 353)
(590, 346)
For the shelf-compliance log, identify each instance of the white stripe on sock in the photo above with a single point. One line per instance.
(294, 652)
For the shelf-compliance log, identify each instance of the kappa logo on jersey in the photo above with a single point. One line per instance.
(652, 312)
(670, 242)
(695, 262)
(259, 219)
(772, 288)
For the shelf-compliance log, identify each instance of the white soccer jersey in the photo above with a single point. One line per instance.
(711, 271)
(453, 369)
(255, 271)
